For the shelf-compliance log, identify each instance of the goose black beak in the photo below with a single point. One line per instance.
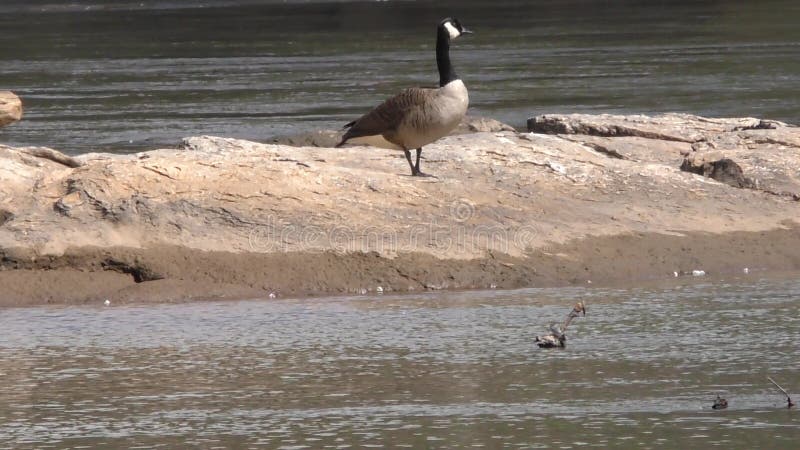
(466, 31)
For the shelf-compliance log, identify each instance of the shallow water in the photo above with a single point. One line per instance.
(433, 370)
(132, 75)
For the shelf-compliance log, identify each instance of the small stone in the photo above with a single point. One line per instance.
(107, 302)
(698, 273)
(746, 270)
(272, 295)
(379, 290)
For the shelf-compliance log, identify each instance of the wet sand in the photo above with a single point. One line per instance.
(168, 274)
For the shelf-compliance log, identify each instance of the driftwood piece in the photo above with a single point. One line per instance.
(52, 155)
(10, 108)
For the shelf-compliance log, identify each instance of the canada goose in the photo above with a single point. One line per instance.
(557, 337)
(417, 116)
(719, 403)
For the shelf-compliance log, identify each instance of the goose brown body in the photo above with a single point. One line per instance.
(415, 117)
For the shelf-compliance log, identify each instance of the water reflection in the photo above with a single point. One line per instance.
(431, 370)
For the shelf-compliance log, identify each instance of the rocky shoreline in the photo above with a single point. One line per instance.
(580, 197)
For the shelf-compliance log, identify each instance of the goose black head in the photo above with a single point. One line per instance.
(453, 27)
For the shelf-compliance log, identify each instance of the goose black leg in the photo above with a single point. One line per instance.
(415, 170)
(408, 157)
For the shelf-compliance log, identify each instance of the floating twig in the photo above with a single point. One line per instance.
(557, 337)
(789, 402)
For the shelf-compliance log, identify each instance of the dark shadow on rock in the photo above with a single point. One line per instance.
(724, 170)
(137, 270)
(5, 216)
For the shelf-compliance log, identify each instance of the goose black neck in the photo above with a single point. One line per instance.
(446, 71)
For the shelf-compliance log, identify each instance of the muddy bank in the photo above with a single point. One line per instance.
(607, 198)
(167, 274)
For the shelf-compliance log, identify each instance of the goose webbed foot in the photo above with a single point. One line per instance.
(418, 173)
(415, 171)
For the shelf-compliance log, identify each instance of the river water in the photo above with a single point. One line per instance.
(433, 370)
(121, 76)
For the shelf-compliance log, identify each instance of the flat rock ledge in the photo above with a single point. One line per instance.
(581, 198)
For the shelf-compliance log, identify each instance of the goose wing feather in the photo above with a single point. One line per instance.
(387, 116)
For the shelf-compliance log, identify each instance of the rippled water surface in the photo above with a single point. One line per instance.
(434, 370)
(131, 75)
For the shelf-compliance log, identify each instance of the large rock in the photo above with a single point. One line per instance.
(227, 194)
(499, 198)
(667, 127)
(10, 108)
(764, 151)
(473, 124)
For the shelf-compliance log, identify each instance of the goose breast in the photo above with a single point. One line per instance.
(436, 117)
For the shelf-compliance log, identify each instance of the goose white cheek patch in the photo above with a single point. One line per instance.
(454, 33)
